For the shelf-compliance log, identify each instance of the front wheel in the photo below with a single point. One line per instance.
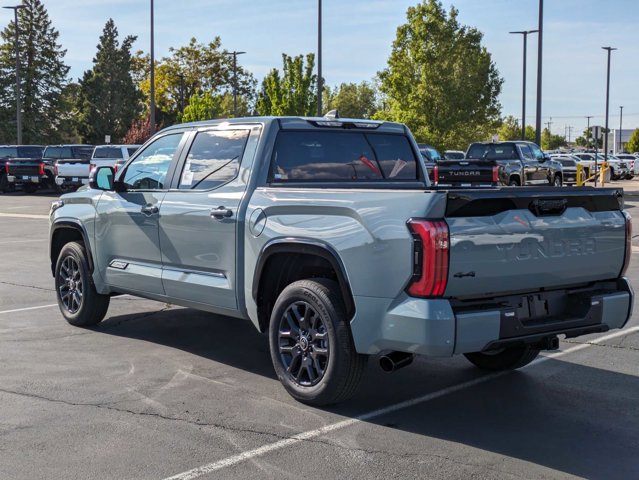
(508, 358)
(556, 182)
(80, 303)
(514, 182)
(311, 345)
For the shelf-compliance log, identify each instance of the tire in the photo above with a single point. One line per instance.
(556, 182)
(514, 182)
(72, 277)
(334, 369)
(629, 176)
(505, 359)
(30, 188)
(4, 184)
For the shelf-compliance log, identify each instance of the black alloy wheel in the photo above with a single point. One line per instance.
(70, 287)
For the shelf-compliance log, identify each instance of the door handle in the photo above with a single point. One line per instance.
(221, 213)
(149, 210)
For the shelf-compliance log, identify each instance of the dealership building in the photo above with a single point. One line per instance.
(616, 142)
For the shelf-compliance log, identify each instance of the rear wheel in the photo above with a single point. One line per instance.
(556, 181)
(514, 182)
(503, 359)
(311, 346)
(4, 184)
(80, 303)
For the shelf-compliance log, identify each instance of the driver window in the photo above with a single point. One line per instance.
(539, 155)
(148, 170)
(525, 151)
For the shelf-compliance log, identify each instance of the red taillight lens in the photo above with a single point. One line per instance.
(628, 252)
(6, 168)
(115, 168)
(41, 169)
(55, 169)
(495, 174)
(436, 174)
(430, 258)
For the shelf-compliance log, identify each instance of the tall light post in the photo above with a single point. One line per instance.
(540, 41)
(18, 100)
(152, 79)
(320, 83)
(235, 54)
(620, 125)
(609, 50)
(525, 34)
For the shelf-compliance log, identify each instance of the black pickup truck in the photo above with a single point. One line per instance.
(34, 173)
(499, 163)
(16, 153)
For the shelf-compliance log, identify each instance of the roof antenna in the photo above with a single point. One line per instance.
(332, 115)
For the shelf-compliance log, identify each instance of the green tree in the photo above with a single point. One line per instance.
(44, 76)
(351, 100)
(109, 99)
(633, 143)
(440, 80)
(530, 134)
(550, 141)
(293, 92)
(510, 129)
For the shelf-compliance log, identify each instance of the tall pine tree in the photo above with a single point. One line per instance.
(43, 77)
(109, 99)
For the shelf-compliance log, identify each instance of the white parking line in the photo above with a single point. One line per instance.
(24, 215)
(29, 308)
(256, 452)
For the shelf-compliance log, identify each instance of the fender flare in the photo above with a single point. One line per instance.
(308, 247)
(73, 225)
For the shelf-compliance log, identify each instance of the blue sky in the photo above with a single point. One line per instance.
(358, 35)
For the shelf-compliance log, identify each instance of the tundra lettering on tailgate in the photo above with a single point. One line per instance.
(533, 250)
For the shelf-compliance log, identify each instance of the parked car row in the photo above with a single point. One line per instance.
(63, 168)
(517, 163)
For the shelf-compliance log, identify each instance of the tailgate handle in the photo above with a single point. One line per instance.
(542, 208)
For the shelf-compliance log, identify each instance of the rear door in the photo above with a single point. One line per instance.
(127, 231)
(199, 217)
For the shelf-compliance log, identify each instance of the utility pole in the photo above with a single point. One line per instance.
(524, 33)
(620, 125)
(569, 133)
(609, 49)
(549, 124)
(588, 128)
(235, 54)
(152, 79)
(18, 99)
(540, 41)
(320, 83)
(182, 105)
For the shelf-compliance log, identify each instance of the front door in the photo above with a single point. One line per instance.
(127, 227)
(198, 220)
(531, 165)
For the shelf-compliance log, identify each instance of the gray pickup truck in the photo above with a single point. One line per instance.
(328, 235)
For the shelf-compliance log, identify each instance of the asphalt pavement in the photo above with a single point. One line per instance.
(157, 391)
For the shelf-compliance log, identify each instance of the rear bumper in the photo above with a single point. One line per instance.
(25, 179)
(68, 182)
(436, 327)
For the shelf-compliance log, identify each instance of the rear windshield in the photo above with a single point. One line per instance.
(454, 156)
(320, 156)
(68, 152)
(8, 152)
(491, 151)
(108, 152)
(567, 162)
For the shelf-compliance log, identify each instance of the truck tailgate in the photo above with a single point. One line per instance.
(465, 172)
(523, 239)
(73, 168)
(19, 167)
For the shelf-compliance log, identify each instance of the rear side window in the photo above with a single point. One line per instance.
(29, 152)
(320, 156)
(214, 159)
(492, 151)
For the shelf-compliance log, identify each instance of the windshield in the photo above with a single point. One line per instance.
(108, 152)
(492, 151)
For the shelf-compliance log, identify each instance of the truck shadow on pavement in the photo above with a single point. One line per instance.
(568, 417)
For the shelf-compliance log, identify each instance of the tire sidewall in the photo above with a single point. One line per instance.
(330, 316)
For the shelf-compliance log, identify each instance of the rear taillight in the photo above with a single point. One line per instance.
(430, 258)
(436, 174)
(41, 169)
(55, 169)
(115, 168)
(495, 174)
(6, 168)
(628, 252)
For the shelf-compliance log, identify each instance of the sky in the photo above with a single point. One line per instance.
(358, 36)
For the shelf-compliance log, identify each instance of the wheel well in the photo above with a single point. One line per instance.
(283, 268)
(62, 236)
(514, 176)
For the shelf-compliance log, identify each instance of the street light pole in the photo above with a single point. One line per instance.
(540, 41)
(609, 49)
(620, 126)
(152, 93)
(18, 99)
(320, 83)
(235, 54)
(523, 96)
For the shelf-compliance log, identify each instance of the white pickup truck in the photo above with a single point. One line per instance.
(72, 174)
